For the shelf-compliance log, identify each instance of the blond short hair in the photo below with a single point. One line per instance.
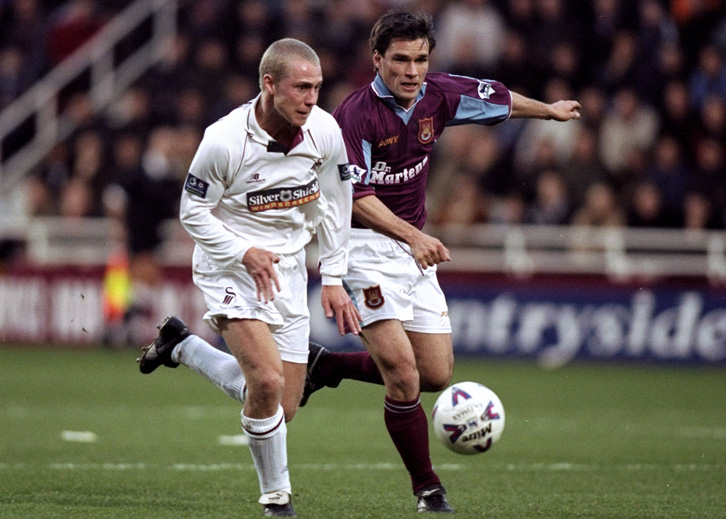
(278, 55)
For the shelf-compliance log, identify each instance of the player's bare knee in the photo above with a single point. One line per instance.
(436, 376)
(266, 387)
(436, 381)
(403, 383)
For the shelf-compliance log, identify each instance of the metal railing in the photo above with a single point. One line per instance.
(108, 79)
(520, 250)
(619, 253)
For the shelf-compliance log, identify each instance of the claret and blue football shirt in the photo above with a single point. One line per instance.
(389, 147)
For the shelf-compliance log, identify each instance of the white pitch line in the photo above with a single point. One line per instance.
(510, 467)
(79, 436)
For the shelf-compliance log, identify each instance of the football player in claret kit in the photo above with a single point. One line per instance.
(264, 179)
(390, 128)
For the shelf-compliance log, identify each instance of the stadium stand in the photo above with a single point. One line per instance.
(651, 76)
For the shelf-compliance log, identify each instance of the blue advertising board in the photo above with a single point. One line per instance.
(557, 321)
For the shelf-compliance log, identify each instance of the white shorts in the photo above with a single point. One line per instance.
(385, 282)
(232, 293)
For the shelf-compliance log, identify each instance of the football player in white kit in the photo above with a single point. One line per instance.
(265, 178)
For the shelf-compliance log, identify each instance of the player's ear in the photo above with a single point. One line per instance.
(268, 84)
(377, 57)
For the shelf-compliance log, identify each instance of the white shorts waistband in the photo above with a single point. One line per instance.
(367, 234)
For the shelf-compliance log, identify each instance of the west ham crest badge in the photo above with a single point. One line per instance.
(373, 297)
(426, 130)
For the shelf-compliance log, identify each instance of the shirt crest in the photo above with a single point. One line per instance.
(426, 130)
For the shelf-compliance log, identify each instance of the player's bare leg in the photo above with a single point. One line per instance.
(434, 359)
(263, 417)
(405, 419)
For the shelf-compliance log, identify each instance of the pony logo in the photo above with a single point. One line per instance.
(373, 297)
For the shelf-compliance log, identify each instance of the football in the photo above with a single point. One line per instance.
(468, 418)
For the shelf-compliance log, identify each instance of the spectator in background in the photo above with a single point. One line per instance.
(78, 116)
(12, 77)
(72, 25)
(77, 199)
(465, 204)
(628, 127)
(709, 174)
(671, 53)
(340, 37)
(470, 33)
(566, 64)
(609, 18)
(655, 31)
(554, 24)
(296, 19)
(521, 16)
(594, 107)
(202, 19)
(698, 212)
(622, 67)
(236, 91)
(191, 109)
(247, 50)
(210, 68)
(144, 194)
(164, 82)
(551, 205)
(646, 207)
(677, 118)
(132, 112)
(695, 19)
(515, 68)
(44, 186)
(88, 175)
(584, 167)
(509, 209)
(26, 29)
(600, 208)
(668, 171)
(712, 119)
(709, 78)
(243, 17)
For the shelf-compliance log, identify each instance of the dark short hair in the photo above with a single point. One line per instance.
(401, 23)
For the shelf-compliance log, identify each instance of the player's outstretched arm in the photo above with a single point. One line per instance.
(427, 250)
(531, 108)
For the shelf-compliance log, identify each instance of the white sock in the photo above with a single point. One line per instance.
(268, 445)
(220, 368)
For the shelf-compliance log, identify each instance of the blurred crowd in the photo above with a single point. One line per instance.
(649, 151)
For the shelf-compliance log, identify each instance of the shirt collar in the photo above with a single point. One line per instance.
(260, 135)
(383, 92)
(253, 127)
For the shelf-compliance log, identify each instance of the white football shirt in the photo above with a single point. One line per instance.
(242, 191)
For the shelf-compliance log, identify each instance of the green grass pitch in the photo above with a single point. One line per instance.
(583, 441)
